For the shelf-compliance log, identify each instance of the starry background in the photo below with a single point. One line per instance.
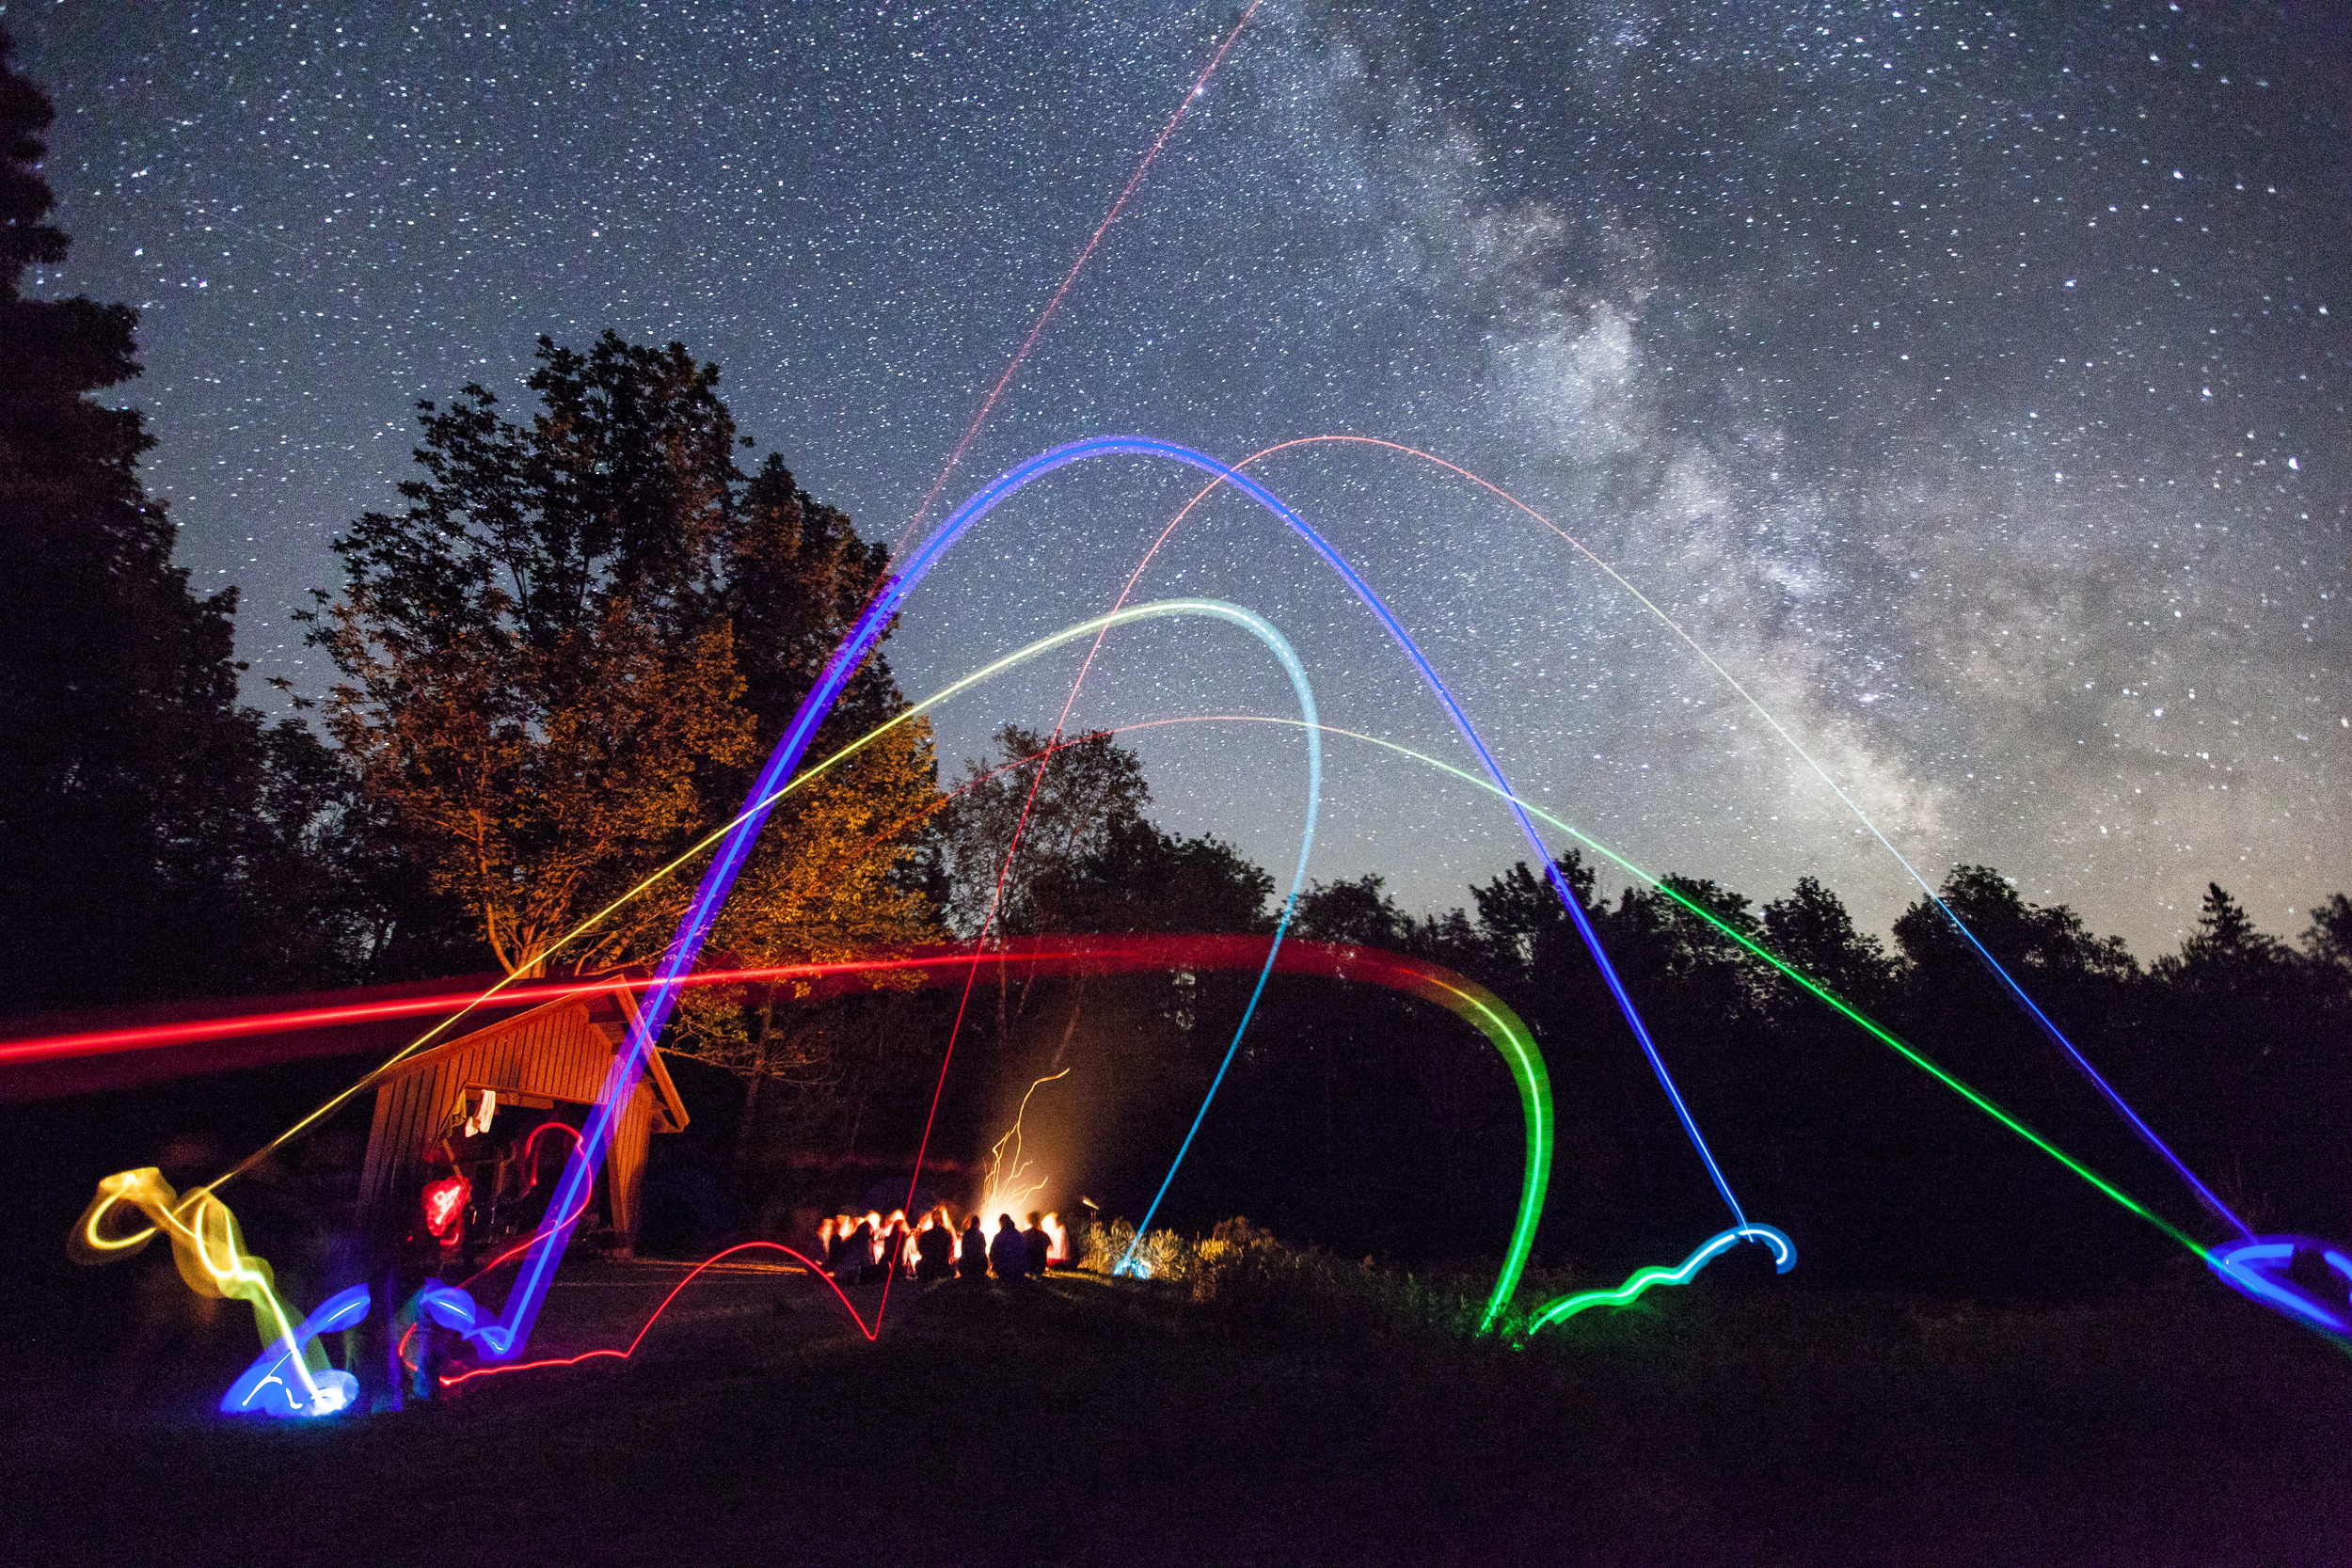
(1969, 381)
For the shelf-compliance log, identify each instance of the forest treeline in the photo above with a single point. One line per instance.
(565, 657)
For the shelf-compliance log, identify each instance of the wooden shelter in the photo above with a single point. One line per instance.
(552, 1058)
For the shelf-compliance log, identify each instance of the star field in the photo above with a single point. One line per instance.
(1969, 381)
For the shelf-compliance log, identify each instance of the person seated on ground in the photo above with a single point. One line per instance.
(935, 1245)
(844, 1228)
(858, 1257)
(894, 1245)
(1008, 1255)
(825, 1243)
(1041, 1245)
(1057, 1234)
(972, 1255)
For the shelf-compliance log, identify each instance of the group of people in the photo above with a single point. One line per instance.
(869, 1248)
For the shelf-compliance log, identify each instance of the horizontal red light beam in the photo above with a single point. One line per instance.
(41, 1066)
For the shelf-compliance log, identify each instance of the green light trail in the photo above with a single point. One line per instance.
(1811, 986)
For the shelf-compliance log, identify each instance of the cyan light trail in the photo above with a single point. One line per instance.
(2146, 1133)
(504, 1340)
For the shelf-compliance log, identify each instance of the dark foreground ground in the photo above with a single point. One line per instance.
(1082, 1421)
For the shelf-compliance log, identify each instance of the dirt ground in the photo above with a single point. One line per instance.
(1082, 1420)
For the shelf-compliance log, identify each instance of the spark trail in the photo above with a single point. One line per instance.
(1007, 1189)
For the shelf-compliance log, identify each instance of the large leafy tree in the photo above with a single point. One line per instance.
(568, 656)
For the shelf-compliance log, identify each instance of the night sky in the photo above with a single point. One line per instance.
(1971, 383)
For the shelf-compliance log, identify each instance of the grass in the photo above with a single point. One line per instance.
(1255, 1403)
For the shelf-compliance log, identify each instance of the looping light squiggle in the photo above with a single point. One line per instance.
(263, 1388)
(1784, 1259)
(208, 1247)
(2257, 1269)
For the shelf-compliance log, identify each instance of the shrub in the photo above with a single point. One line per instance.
(1249, 1277)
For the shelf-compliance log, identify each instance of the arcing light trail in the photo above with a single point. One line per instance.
(2049, 1029)
(1732, 933)
(504, 1340)
(2259, 1286)
(455, 1316)
(1304, 691)
(1221, 475)
(1812, 987)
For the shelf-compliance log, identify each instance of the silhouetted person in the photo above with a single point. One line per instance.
(1041, 1245)
(972, 1263)
(1057, 1234)
(936, 1246)
(1008, 1255)
(858, 1256)
(894, 1251)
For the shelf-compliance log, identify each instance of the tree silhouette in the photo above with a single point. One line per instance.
(144, 841)
(562, 657)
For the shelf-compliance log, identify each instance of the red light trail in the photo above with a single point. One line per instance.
(451, 1380)
(987, 405)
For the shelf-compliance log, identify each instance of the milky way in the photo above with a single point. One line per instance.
(1969, 381)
